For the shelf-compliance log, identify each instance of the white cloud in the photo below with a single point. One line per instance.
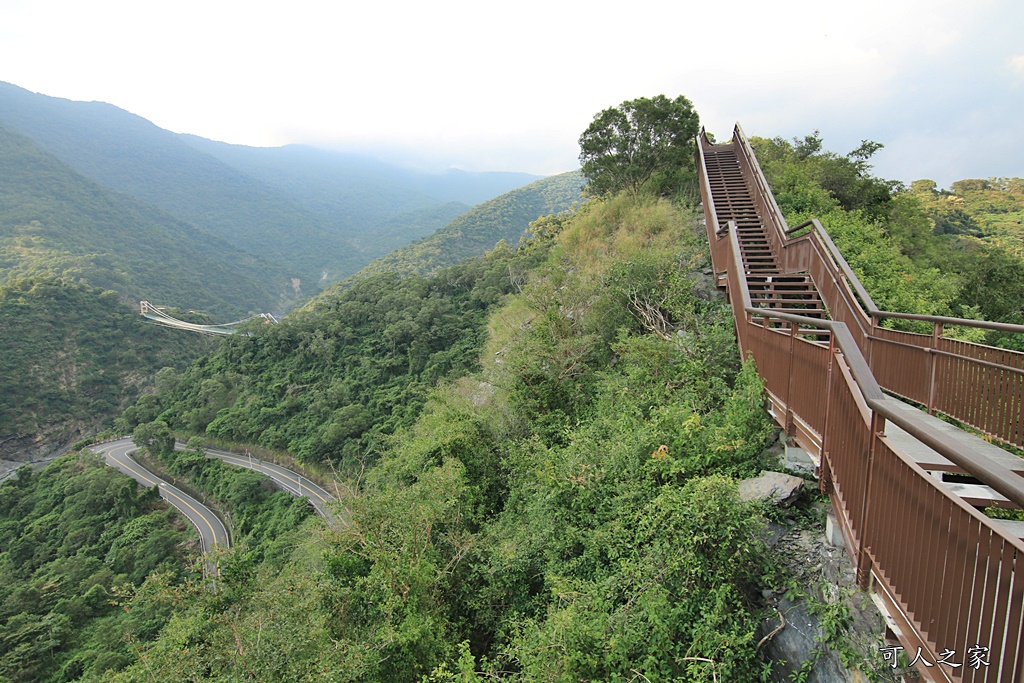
(490, 85)
(1016, 66)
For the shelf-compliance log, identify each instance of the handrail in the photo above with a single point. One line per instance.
(705, 186)
(977, 464)
(872, 309)
(848, 273)
(760, 180)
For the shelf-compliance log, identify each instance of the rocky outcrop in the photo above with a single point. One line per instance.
(41, 447)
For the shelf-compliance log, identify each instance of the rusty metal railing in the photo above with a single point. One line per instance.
(952, 578)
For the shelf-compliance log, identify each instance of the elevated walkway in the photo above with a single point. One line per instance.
(905, 486)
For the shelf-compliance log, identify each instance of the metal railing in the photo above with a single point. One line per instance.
(951, 578)
(978, 385)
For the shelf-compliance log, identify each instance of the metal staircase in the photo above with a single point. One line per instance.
(950, 578)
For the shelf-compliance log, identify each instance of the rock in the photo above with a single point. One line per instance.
(776, 487)
(796, 643)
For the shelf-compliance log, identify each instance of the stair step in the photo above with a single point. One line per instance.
(786, 300)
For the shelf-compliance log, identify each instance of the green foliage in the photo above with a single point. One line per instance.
(355, 364)
(154, 437)
(73, 355)
(77, 543)
(567, 513)
(475, 232)
(642, 143)
(799, 171)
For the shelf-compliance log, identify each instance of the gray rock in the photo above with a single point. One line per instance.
(775, 487)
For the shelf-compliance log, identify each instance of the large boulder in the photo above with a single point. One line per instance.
(775, 487)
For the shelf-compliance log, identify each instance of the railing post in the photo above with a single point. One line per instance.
(825, 471)
(877, 428)
(871, 341)
(936, 335)
(790, 428)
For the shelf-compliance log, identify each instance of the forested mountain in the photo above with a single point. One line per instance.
(72, 355)
(307, 212)
(94, 198)
(375, 206)
(550, 512)
(503, 218)
(55, 222)
(345, 182)
(128, 154)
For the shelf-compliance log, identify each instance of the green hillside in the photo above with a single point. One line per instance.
(565, 512)
(72, 356)
(352, 193)
(88, 563)
(131, 155)
(398, 231)
(55, 222)
(311, 214)
(503, 218)
(990, 209)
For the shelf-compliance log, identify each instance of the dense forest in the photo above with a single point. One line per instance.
(72, 357)
(567, 511)
(538, 448)
(91, 567)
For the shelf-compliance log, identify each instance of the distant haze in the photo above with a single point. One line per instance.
(510, 86)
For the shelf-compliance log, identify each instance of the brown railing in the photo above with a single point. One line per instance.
(978, 385)
(952, 579)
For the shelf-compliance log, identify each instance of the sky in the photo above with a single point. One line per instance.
(510, 86)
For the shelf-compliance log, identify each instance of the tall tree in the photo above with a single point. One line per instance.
(646, 143)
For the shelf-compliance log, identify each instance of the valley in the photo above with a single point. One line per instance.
(497, 432)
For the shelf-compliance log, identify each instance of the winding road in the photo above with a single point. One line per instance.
(290, 481)
(211, 530)
(118, 453)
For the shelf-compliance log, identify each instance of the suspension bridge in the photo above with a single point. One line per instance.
(154, 313)
(908, 490)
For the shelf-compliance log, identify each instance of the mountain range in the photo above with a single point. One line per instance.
(94, 199)
(293, 218)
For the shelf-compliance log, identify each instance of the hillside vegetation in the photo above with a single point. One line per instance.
(91, 569)
(73, 355)
(471, 234)
(354, 364)
(565, 513)
(95, 199)
(300, 213)
(991, 209)
(55, 222)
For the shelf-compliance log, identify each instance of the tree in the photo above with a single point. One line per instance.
(154, 437)
(642, 143)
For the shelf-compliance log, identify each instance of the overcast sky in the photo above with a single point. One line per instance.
(511, 86)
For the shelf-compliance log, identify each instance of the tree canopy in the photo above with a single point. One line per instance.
(642, 143)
